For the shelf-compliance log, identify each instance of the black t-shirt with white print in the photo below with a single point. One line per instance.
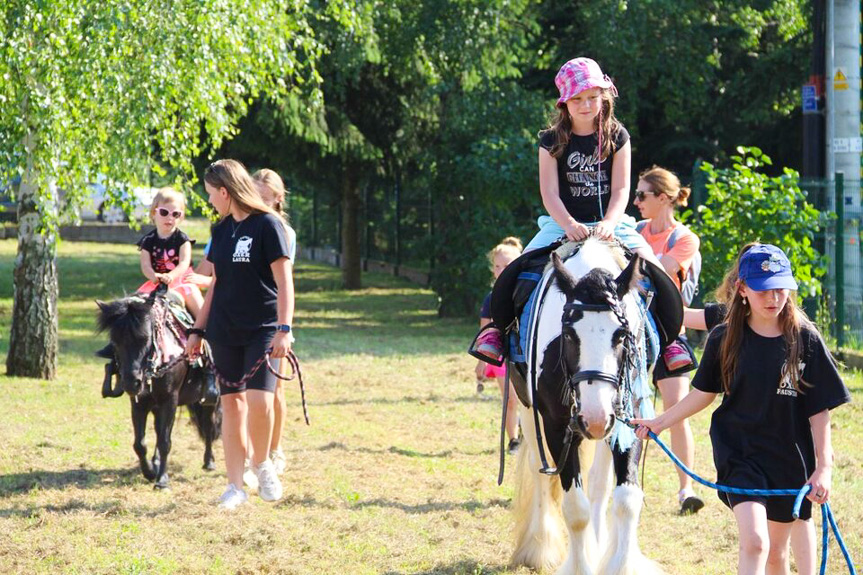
(761, 434)
(244, 299)
(164, 252)
(577, 174)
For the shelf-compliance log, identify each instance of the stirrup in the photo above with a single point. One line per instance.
(491, 343)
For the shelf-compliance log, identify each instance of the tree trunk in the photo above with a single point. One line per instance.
(351, 264)
(33, 342)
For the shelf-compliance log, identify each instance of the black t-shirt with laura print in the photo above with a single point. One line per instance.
(761, 434)
(244, 298)
(577, 174)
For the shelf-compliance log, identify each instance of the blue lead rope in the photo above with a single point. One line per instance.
(826, 513)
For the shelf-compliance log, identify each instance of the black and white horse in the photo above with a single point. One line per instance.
(583, 352)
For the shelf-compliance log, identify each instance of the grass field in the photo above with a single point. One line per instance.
(397, 473)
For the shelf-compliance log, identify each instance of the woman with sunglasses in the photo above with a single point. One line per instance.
(658, 193)
(247, 313)
(166, 252)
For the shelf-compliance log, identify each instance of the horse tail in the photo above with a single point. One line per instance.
(206, 417)
(539, 529)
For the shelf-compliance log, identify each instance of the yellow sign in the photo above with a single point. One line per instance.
(840, 80)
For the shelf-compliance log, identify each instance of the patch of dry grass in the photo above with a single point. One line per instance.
(397, 473)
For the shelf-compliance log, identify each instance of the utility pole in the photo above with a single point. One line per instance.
(843, 142)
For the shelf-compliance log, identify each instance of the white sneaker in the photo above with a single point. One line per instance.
(277, 456)
(232, 497)
(249, 477)
(269, 486)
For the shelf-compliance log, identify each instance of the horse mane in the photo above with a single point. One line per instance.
(126, 315)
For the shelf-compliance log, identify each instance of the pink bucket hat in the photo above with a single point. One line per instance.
(578, 75)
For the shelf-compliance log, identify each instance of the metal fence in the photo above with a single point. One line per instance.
(842, 308)
(396, 222)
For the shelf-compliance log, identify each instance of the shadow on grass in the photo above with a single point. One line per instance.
(471, 505)
(83, 478)
(463, 567)
(336, 445)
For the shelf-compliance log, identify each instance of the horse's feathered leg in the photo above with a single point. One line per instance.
(576, 513)
(164, 417)
(599, 486)
(139, 425)
(623, 556)
(539, 542)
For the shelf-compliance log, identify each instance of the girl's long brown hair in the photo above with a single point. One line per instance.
(561, 127)
(233, 176)
(791, 321)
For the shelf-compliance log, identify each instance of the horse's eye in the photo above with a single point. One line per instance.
(618, 337)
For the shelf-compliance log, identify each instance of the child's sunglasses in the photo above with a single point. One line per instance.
(164, 213)
(639, 195)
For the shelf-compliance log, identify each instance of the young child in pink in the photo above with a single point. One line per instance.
(166, 252)
(500, 257)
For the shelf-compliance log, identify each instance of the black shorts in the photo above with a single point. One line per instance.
(235, 361)
(660, 371)
(779, 509)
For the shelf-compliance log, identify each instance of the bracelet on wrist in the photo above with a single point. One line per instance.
(284, 328)
(197, 331)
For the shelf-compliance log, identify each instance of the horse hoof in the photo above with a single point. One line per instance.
(159, 486)
(211, 466)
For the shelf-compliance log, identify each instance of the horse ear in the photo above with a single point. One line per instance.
(564, 279)
(629, 277)
(101, 304)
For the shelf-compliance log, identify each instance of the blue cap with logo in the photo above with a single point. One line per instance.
(764, 267)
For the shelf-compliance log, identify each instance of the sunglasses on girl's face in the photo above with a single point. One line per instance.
(639, 195)
(165, 212)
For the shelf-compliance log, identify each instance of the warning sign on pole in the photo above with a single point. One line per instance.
(840, 80)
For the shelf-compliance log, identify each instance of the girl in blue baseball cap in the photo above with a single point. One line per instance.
(778, 384)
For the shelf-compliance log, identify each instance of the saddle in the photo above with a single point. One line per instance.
(522, 279)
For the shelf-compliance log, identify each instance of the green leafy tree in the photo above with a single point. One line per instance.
(745, 205)
(696, 77)
(115, 87)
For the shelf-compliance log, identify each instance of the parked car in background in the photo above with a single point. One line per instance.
(96, 206)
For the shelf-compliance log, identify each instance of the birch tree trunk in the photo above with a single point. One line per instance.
(33, 341)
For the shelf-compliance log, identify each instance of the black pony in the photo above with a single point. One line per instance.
(142, 331)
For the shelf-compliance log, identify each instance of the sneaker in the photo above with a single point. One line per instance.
(514, 444)
(277, 456)
(269, 486)
(232, 497)
(690, 503)
(249, 477)
(490, 343)
(676, 356)
(480, 386)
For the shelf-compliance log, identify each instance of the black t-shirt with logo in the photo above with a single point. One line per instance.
(164, 252)
(577, 174)
(244, 299)
(761, 434)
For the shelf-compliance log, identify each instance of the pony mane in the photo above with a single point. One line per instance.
(126, 315)
(570, 249)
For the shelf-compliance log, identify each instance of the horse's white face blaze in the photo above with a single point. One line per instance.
(597, 352)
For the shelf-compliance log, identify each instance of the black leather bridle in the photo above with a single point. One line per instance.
(568, 321)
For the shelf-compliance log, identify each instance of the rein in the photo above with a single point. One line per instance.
(297, 373)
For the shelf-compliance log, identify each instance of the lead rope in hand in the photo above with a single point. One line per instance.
(295, 367)
(826, 512)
